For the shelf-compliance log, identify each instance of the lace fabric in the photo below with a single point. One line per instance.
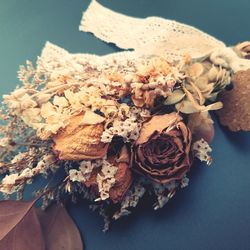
(152, 35)
(149, 36)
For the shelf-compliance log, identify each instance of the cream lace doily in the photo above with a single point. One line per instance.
(149, 36)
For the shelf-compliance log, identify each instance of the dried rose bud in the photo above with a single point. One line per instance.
(162, 152)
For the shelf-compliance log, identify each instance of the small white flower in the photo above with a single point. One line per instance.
(201, 150)
(10, 179)
(75, 175)
(27, 172)
(184, 182)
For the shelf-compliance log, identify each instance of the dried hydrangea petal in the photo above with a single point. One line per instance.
(195, 70)
(236, 103)
(175, 97)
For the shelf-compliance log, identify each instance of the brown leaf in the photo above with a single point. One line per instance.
(19, 226)
(11, 213)
(59, 230)
(123, 180)
(157, 123)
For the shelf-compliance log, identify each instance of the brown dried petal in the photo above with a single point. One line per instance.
(201, 126)
(138, 102)
(123, 180)
(149, 98)
(79, 141)
(236, 103)
(157, 123)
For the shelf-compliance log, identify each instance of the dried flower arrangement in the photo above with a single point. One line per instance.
(125, 124)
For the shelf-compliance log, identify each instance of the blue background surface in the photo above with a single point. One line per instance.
(214, 211)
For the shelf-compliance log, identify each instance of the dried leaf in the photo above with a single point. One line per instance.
(11, 213)
(27, 235)
(123, 180)
(19, 226)
(59, 230)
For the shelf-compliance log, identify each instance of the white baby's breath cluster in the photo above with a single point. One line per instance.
(129, 130)
(201, 150)
(164, 192)
(106, 179)
(11, 182)
(127, 124)
(85, 170)
(130, 200)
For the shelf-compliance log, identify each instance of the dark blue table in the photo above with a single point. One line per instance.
(214, 211)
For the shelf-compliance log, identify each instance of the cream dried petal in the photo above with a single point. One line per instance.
(60, 101)
(212, 74)
(31, 115)
(91, 118)
(27, 102)
(195, 70)
(186, 107)
(42, 98)
(47, 110)
(175, 97)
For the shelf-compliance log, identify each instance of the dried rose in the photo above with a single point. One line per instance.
(80, 140)
(162, 152)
